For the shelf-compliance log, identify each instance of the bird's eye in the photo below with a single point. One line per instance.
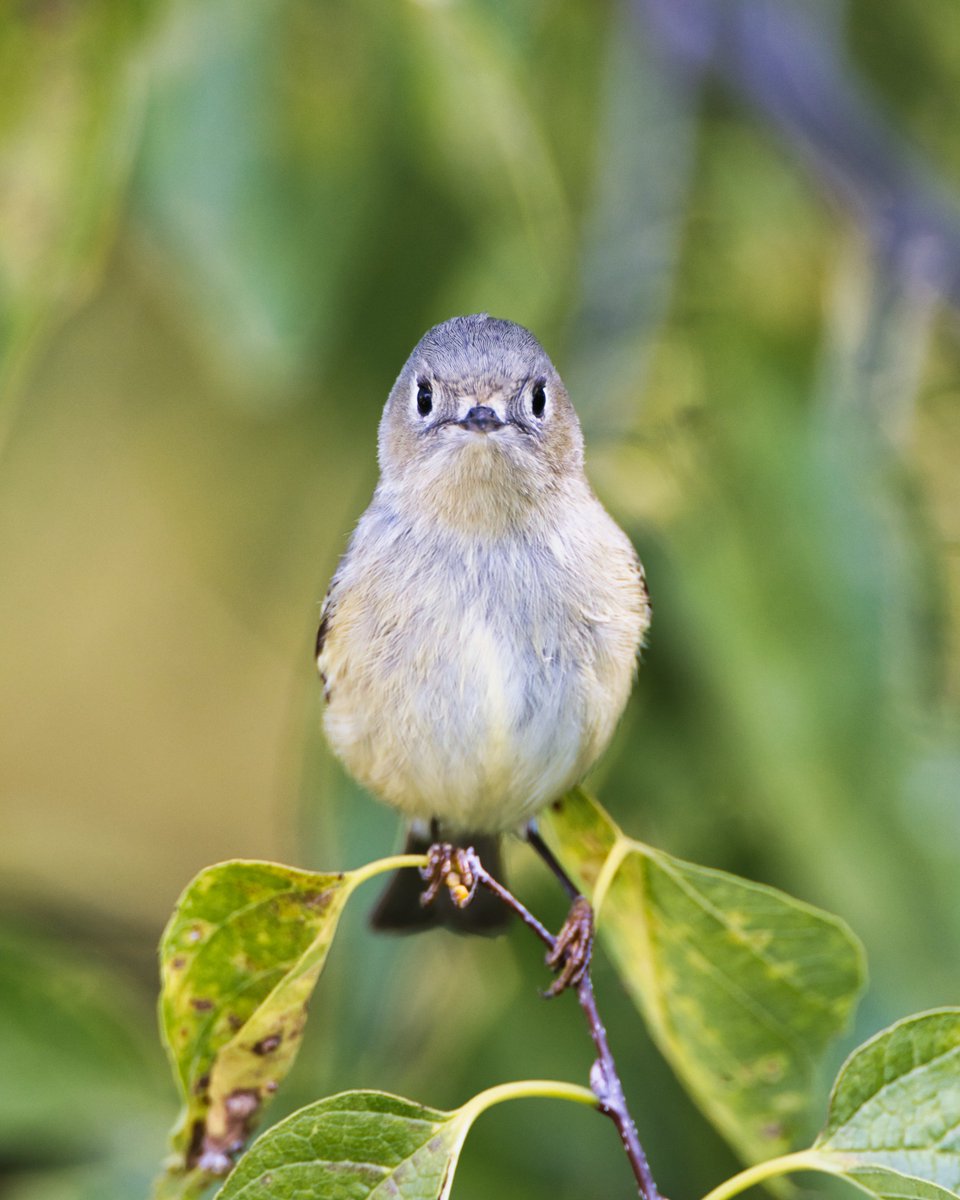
(424, 397)
(538, 399)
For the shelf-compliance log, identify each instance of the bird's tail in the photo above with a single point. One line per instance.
(399, 909)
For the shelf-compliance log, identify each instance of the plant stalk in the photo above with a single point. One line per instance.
(606, 1086)
(604, 1080)
(802, 1160)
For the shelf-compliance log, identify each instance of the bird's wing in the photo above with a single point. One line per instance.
(326, 617)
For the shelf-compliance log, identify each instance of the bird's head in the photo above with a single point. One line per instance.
(479, 420)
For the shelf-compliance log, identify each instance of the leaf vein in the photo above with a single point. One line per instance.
(884, 1087)
(769, 963)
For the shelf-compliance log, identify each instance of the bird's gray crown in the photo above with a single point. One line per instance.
(479, 347)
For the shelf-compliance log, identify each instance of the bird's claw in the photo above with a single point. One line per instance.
(452, 867)
(570, 956)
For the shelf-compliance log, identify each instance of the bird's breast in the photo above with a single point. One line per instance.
(464, 679)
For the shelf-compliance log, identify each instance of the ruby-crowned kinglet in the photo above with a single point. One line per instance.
(478, 641)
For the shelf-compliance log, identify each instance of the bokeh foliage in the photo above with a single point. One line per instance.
(221, 229)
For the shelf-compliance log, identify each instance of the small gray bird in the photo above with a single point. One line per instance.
(478, 641)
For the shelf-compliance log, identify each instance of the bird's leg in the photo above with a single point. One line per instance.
(570, 956)
(451, 867)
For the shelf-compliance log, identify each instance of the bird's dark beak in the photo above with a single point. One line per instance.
(481, 419)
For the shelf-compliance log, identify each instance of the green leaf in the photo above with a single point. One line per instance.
(642, 176)
(891, 1185)
(243, 144)
(463, 59)
(349, 1145)
(73, 99)
(893, 1126)
(896, 1104)
(239, 960)
(81, 1105)
(72, 1045)
(742, 986)
(361, 1144)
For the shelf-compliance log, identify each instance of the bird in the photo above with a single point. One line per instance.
(480, 636)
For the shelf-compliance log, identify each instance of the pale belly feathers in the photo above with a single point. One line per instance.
(474, 683)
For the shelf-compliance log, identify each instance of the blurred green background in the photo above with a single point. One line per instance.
(222, 228)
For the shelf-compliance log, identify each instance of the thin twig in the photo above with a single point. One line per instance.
(604, 1080)
(510, 900)
(606, 1086)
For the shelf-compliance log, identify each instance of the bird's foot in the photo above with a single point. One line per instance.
(570, 956)
(452, 867)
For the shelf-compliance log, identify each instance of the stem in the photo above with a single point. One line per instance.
(608, 1089)
(550, 1088)
(381, 865)
(510, 900)
(605, 1084)
(611, 864)
(803, 1160)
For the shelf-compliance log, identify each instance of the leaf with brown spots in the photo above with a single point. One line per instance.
(239, 961)
(742, 986)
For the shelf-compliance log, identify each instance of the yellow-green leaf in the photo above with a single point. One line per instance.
(239, 960)
(741, 986)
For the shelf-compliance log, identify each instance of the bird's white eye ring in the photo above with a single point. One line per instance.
(424, 397)
(538, 399)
